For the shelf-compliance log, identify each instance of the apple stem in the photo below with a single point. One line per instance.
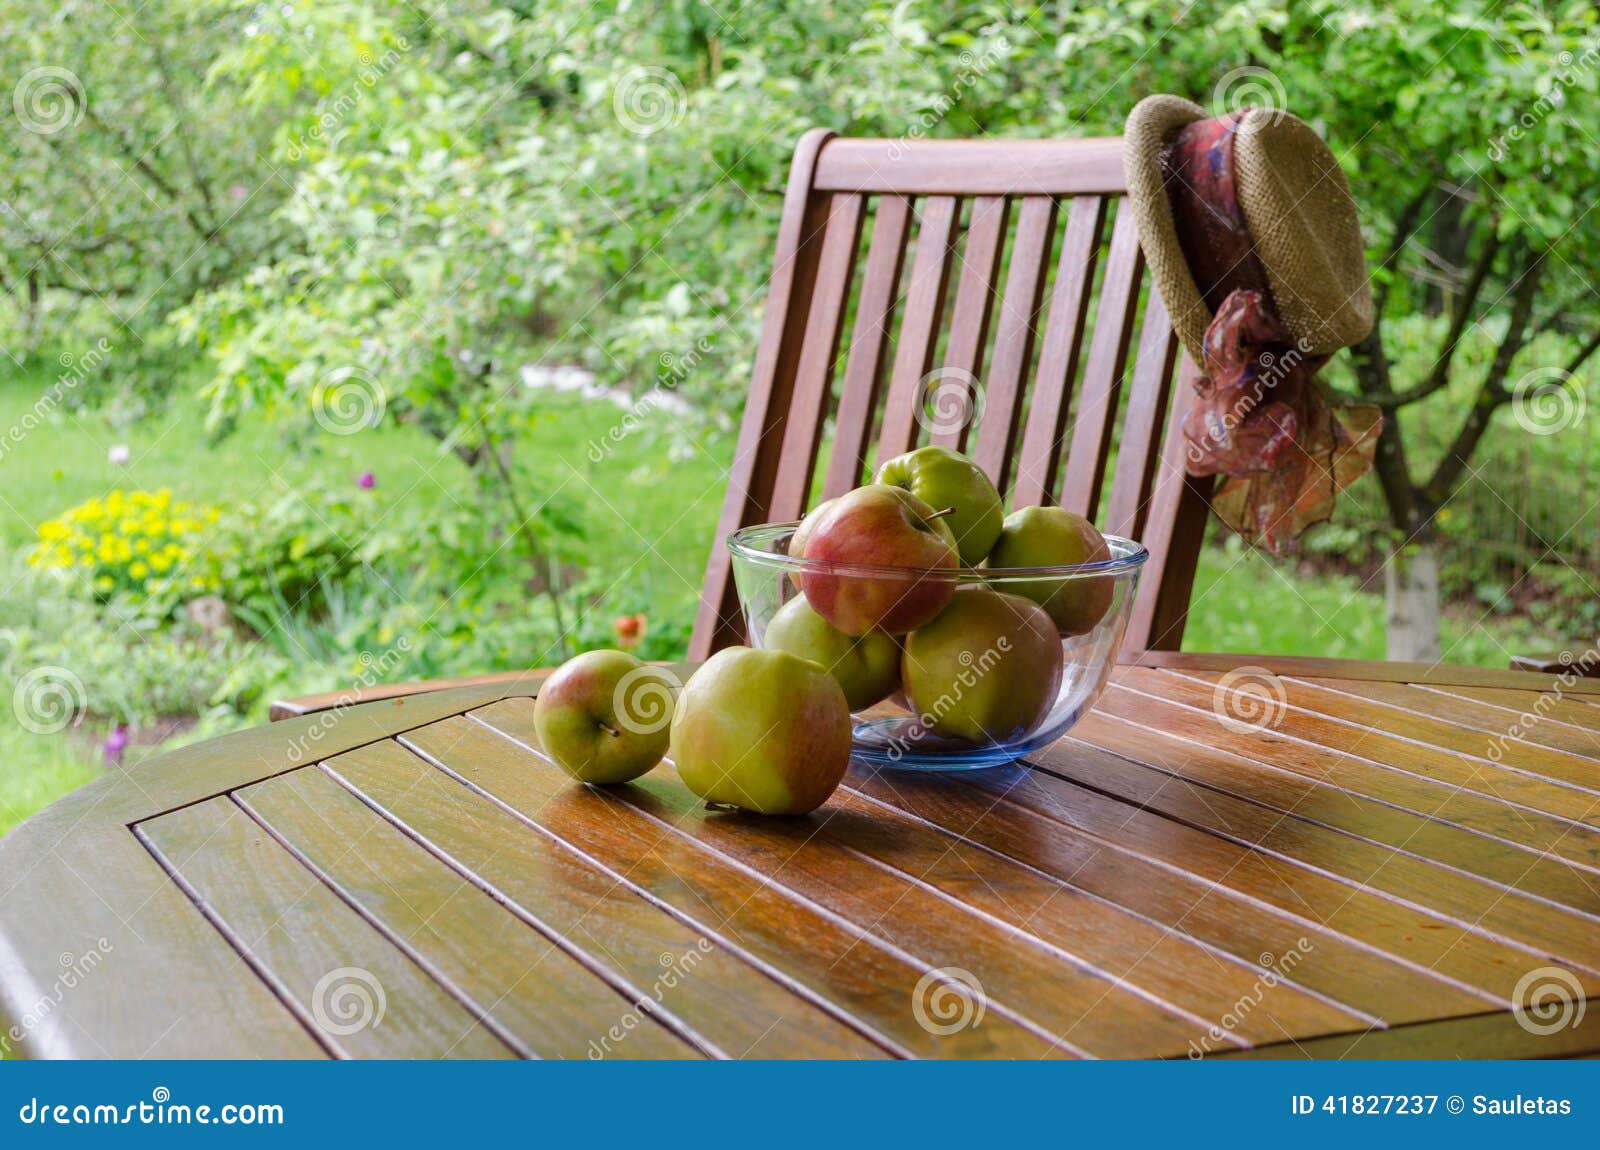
(610, 730)
(942, 514)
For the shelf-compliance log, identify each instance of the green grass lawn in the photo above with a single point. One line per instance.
(648, 501)
(1246, 602)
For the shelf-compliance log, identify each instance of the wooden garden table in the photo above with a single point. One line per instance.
(1368, 873)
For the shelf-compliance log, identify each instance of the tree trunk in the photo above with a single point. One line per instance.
(1411, 593)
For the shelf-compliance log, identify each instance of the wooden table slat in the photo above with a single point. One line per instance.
(805, 944)
(1424, 832)
(1578, 771)
(511, 972)
(1581, 711)
(332, 966)
(1491, 721)
(996, 811)
(1545, 807)
(727, 1008)
(1344, 902)
(1452, 905)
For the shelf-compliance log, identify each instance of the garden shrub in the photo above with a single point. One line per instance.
(145, 544)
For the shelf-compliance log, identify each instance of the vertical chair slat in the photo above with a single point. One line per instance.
(766, 411)
(1102, 373)
(1058, 356)
(863, 373)
(919, 329)
(1145, 412)
(814, 374)
(1174, 531)
(1014, 337)
(969, 322)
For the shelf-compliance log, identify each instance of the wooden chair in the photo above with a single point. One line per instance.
(1021, 228)
(1007, 262)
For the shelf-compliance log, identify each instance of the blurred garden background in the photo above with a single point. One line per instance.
(359, 340)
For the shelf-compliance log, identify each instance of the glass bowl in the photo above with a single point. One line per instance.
(980, 684)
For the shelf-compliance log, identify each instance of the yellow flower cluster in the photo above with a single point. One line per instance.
(143, 541)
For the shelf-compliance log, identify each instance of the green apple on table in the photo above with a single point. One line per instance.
(986, 670)
(879, 525)
(762, 730)
(943, 478)
(604, 715)
(867, 667)
(1051, 537)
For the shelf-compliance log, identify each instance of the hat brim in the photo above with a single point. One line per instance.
(1151, 125)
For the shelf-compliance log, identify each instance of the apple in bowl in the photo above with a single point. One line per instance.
(987, 670)
(908, 544)
(867, 667)
(948, 481)
(1055, 537)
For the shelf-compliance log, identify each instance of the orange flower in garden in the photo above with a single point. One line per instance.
(630, 629)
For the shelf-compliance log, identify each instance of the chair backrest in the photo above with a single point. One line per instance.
(995, 217)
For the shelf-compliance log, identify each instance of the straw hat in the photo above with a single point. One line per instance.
(1301, 222)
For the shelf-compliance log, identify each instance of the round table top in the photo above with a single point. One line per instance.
(1369, 859)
